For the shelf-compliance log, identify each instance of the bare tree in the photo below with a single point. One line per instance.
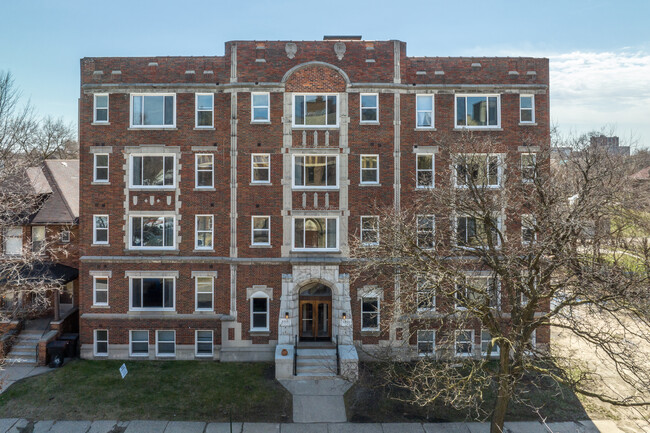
(53, 139)
(506, 249)
(17, 123)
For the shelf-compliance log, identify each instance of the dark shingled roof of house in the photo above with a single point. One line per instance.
(62, 205)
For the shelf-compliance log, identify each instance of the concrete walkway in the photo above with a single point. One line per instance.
(15, 425)
(10, 373)
(318, 400)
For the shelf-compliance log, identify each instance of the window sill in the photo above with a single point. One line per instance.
(425, 128)
(138, 355)
(100, 307)
(260, 183)
(204, 128)
(205, 189)
(162, 356)
(370, 332)
(152, 188)
(204, 355)
(314, 250)
(137, 312)
(370, 184)
(424, 188)
(100, 123)
(314, 188)
(153, 128)
(369, 123)
(151, 251)
(100, 355)
(259, 333)
(313, 127)
(479, 128)
(260, 122)
(203, 250)
(527, 123)
(260, 246)
(100, 245)
(204, 312)
(100, 183)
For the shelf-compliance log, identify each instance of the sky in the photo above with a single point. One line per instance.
(599, 50)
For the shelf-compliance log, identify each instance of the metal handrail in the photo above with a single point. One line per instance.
(295, 355)
(338, 359)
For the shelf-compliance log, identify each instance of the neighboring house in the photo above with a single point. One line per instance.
(55, 222)
(218, 193)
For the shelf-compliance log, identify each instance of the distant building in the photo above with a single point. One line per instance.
(612, 145)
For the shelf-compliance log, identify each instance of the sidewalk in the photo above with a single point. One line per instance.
(16, 425)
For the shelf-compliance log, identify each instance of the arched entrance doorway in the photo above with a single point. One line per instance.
(315, 312)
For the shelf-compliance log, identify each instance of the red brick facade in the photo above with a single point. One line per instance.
(342, 68)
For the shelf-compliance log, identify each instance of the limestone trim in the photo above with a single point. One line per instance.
(101, 273)
(426, 149)
(370, 291)
(148, 274)
(196, 274)
(100, 149)
(252, 291)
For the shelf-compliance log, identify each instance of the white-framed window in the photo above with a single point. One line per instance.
(528, 167)
(528, 231)
(316, 110)
(425, 170)
(204, 227)
(370, 230)
(100, 229)
(486, 342)
(261, 230)
(139, 343)
(260, 107)
(527, 108)
(426, 342)
(369, 169)
(424, 117)
(315, 171)
(165, 343)
(204, 293)
(464, 342)
(369, 313)
(152, 232)
(426, 231)
(152, 293)
(476, 288)
(472, 232)
(479, 170)
(315, 233)
(153, 110)
(38, 238)
(259, 312)
(100, 291)
(153, 171)
(100, 167)
(64, 236)
(369, 108)
(13, 241)
(204, 343)
(101, 342)
(204, 166)
(260, 168)
(204, 103)
(100, 111)
(426, 295)
(478, 111)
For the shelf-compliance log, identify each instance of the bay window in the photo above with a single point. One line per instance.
(315, 233)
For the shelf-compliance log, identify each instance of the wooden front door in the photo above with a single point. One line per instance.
(315, 319)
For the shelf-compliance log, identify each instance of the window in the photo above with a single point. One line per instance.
(261, 230)
(315, 171)
(165, 343)
(100, 291)
(154, 232)
(464, 342)
(426, 342)
(101, 342)
(315, 110)
(100, 229)
(370, 230)
(369, 314)
(204, 171)
(204, 293)
(486, 342)
(478, 111)
(424, 110)
(260, 107)
(153, 171)
(260, 168)
(528, 167)
(38, 238)
(64, 236)
(478, 170)
(13, 241)
(426, 231)
(259, 312)
(425, 170)
(528, 232)
(527, 108)
(139, 343)
(369, 108)
(204, 110)
(369, 169)
(153, 111)
(203, 235)
(101, 108)
(475, 290)
(100, 172)
(426, 295)
(204, 342)
(152, 293)
(315, 233)
(472, 232)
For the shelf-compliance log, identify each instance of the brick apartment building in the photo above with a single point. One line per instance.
(219, 193)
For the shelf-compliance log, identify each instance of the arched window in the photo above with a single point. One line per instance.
(259, 312)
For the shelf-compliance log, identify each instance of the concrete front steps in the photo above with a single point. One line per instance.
(316, 362)
(24, 350)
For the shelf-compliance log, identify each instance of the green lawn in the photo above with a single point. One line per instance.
(173, 390)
